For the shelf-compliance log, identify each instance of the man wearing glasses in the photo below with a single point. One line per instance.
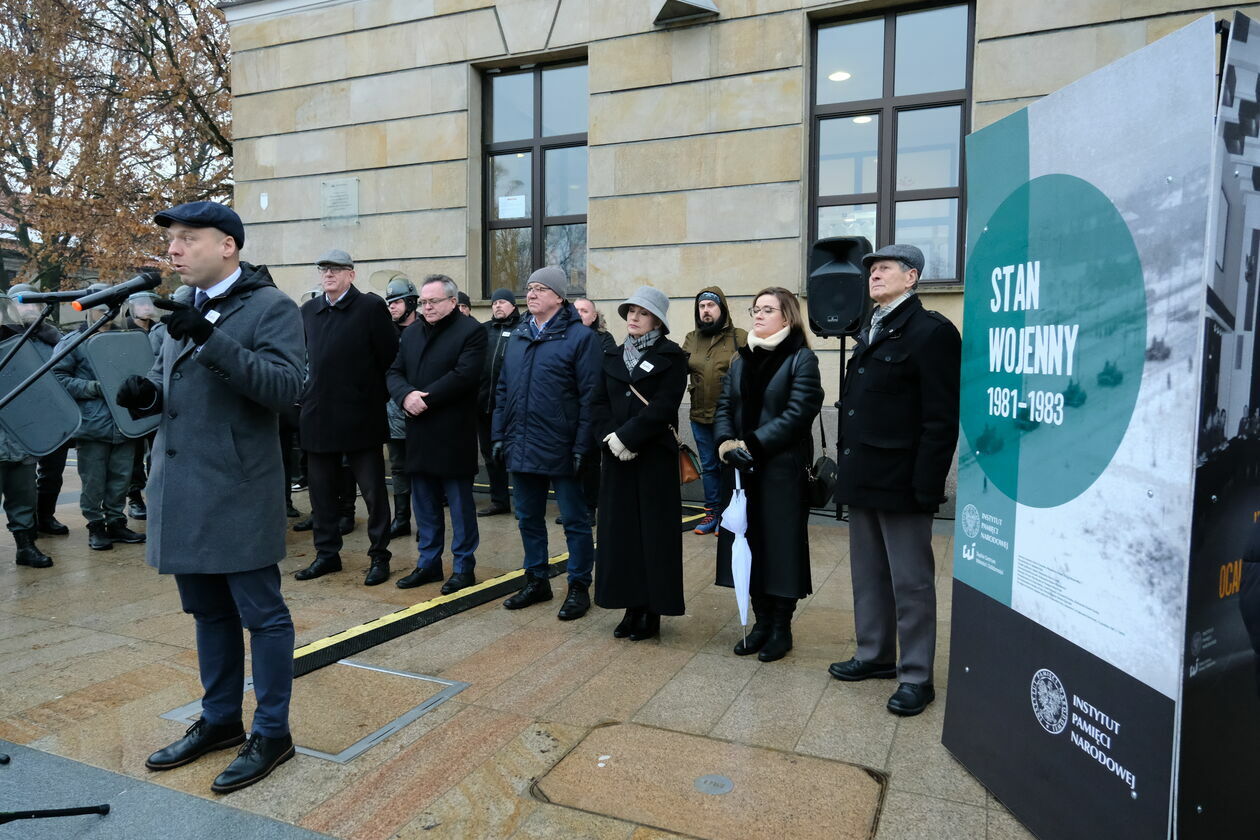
(350, 343)
(434, 380)
(542, 433)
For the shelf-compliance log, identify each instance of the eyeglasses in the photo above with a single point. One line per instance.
(769, 310)
(330, 269)
(432, 301)
(537, 289)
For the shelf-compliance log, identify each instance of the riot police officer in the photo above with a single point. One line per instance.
(402, 297)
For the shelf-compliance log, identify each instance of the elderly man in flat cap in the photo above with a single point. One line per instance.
(228, 366)
(898, 430)
(351, 341)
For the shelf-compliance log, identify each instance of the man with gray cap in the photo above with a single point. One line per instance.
(898, 430)
(542, 432)
(351, 341)
(504, 317)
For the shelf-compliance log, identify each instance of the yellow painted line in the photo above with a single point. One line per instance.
(415, 609)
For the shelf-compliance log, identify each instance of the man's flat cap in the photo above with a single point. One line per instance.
(205, 214)
(908, 254)
(335, 257)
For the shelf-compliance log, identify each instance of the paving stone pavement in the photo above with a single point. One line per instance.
(93, 650)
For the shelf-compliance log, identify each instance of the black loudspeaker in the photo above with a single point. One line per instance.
(836, 285)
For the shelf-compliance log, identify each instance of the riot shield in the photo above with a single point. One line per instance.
(114, 356)
(44, 416)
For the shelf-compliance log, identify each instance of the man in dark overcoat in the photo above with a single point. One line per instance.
(898, 431)
(351, 341)
(434, 380)
(542, 433)
(229, 365)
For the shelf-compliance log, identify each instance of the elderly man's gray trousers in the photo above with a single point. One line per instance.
(894, 590)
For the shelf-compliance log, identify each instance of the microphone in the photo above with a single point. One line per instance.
(49, 297)
(118, 293)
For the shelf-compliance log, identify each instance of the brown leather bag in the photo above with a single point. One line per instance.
(688, 463)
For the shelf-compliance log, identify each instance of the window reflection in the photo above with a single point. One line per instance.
(931, 51)
(850, 62)
(510, 182)
(848, 155)
(933, 226)
(847, 220)
(927, 148)
(565, 193)
(566, 247)
(564, 101)
(512, 115)
(510, 258)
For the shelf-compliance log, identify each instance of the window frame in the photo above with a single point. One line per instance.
(537, 145)
(887, 108)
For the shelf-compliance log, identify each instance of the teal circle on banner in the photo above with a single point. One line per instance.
(1054, 340)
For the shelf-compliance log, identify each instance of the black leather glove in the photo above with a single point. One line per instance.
(138, 395)
(740, 459)
(498, 453)
(577, 463)
(185, 321)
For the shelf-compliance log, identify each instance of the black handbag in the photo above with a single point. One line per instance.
(821, 477)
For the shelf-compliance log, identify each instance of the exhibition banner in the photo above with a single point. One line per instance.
(1087, 227)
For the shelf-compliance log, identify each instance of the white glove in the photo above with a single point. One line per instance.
(627, 455)
(617, 448)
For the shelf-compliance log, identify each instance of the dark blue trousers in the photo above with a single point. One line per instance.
(426, 500)
(529, 495)
(221, 605)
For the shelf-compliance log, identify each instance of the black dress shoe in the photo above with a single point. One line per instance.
(138, 510)
(537, 590)
(647, 627)
(319, 567)
(458, 581)
(494, 510)
(911, 698)
(201, 738)
(346, 525)
(290, 511)
(120, 533)
(50, 525)
(627, 625)
(576, 603)
(254, 762)
(419, 577)
(306, 524)
(855, 670)
(377, 573)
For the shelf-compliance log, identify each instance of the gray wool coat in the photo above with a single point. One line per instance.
(216, 488)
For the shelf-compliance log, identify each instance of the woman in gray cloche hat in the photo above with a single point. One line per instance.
(635, 415)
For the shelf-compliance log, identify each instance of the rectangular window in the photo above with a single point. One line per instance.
(535, 174)
(891, 105)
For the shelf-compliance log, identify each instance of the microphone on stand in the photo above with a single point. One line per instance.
(118, 293)
(49, 297)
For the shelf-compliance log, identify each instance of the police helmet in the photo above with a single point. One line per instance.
(400, 287)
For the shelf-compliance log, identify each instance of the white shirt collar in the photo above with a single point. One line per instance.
(221, 288)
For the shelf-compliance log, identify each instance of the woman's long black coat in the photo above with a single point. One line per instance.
(638, 558)
(778, 511)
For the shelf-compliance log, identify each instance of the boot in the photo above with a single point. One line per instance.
(401, 526)
(780, 641)
(28, 554)
(628, 623)
(45, 521)
(649, 626)
(576, 603)
(761, 627)
(537, 590)
(119, 532)
(136, 508)
(98, 540)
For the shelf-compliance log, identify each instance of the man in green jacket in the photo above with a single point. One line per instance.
(712, 345)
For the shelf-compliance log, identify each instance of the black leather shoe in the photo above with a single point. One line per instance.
(458, 581)
(290, 511)
(97, 538)
(307, 524)
(377, 573)
(120, 533)
(419, 577)
(855, 670)
(254, 762)
(576, 603)
(647, 627)
(346, 525)
(399, 528)
(50, 525)
(911, 698)
(494, 510)
(627, 625)
(537, 590)
(201, 738)
(319, 567)
(137, 509)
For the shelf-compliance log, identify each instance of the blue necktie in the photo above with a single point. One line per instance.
(201, 300)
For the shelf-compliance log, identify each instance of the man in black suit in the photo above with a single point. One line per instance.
(434, 380)
(351, 341)
(898, 430)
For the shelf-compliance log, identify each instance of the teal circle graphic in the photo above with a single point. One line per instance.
(1054, 340)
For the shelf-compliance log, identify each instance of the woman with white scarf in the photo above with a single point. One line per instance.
(770, 398)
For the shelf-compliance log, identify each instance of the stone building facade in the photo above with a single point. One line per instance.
(478, 138)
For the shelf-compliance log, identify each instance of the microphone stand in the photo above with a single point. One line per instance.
(30, 330)
(69, 348)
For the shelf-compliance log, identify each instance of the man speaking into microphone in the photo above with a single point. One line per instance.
(230, 364)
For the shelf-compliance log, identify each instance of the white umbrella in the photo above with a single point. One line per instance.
(735, 520)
